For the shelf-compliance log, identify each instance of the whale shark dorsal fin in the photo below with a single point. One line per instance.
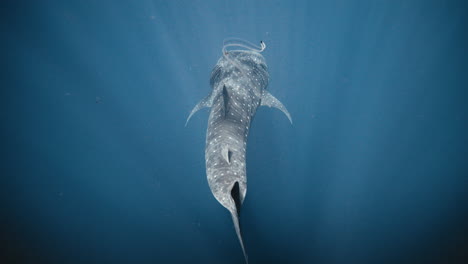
(205, 102)
(227, 154)
(225, 95)
(271, 101)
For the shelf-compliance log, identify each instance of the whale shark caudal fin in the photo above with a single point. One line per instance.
(271, 101)
(205, 102)
(235, 219)
(235, 195)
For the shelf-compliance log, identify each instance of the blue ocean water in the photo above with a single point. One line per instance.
(97, 166)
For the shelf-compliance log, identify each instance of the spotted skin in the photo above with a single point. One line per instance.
(237, 96)
(239, 82)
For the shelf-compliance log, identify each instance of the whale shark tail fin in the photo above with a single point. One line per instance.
(235, 219)
(205, 102)
(235, 195)
(271, 101)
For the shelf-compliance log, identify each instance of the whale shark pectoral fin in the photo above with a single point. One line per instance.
(271, 101)
(205, 102)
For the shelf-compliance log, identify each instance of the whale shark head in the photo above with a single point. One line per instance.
(242, 67)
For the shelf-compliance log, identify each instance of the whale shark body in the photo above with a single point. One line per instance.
(239, 81)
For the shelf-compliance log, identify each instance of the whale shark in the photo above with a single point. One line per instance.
(238, 81)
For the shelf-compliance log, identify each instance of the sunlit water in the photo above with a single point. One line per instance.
(97, 166)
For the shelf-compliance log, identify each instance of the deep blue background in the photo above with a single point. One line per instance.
(97, 166)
